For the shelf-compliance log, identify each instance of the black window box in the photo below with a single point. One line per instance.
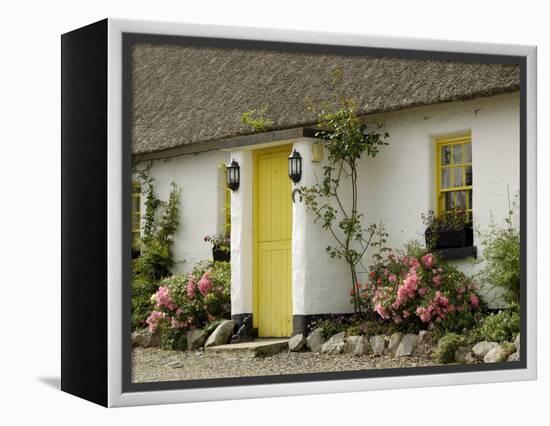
(457, 253)
(220, 254)
(446, 239)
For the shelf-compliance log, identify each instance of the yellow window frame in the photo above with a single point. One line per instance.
(136, 214)
(439, 166)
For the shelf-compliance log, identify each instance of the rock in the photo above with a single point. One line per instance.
(145, 339)
(378, 344)
(464, 355)
(482, 348)
(497, 354)
(395, 339)
(335, 345)
(357, 345)
(517, 343)
(425, 344)
(221, 334)
(315, 340)
(407, 345)
(196, 339)
(296, 343)
(514, 357)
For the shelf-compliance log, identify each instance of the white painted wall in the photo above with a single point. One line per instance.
(320, 284)
(398, 186)
(241, 236)
(201, 206)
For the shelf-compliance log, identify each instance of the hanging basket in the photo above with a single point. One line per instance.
(221, 254)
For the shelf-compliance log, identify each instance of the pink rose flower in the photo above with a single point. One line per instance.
(428, 260)
(177, 324)
(191, 287)
(163, 299)
(205, 283)
(381, 311)
(154, 319)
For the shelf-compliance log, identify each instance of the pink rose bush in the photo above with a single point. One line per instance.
(205, 283)
(187, 301)
(419, 291)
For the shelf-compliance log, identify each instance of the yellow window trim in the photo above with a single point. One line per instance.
(136, 194)
(439, 192)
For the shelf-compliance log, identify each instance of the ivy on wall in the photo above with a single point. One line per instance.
(160, 223)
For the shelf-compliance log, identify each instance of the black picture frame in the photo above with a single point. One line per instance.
(85, 186)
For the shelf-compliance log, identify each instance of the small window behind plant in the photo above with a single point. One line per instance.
(136, 211)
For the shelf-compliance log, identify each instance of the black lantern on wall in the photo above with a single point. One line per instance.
(233, 175)
(295, 166)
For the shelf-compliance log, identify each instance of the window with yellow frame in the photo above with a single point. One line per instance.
(136, 211)
(454, 179)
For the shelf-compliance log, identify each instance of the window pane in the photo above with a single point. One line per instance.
(457, 154)
(135, 203)
(135, 221)
(457, 176)
(445, 155)
(467, 152)
(461, 200)
(469, 178)
(449, 201)
(445, 178)
(470, 199)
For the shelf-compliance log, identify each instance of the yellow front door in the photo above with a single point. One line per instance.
(272, 243)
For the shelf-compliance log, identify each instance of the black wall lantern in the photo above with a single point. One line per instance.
(295, 166)
(233, 175)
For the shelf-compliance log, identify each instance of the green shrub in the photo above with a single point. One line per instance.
(173, 338)
(458, 322)
(155, 259)
(501, 257)
(447, 347)
(330, 327)
(142, 290)
(160, 223)
(501, 327)
(154, 262)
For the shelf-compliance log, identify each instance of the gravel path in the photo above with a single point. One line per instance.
(154, 365)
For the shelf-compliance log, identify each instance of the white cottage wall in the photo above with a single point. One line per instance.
(201, 206)
(398, 186)
(241, 236)
(320, 284)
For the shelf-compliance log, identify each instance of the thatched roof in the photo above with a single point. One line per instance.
(189, 95)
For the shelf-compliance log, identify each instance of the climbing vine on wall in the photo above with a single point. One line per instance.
(346, 140)
(160, 223)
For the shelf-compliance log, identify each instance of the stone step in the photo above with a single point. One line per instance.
(256, 348)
